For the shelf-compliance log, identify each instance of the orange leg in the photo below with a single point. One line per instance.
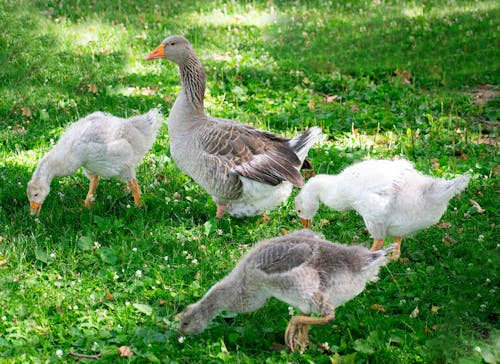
(377, 245)
(296, 334)
(89, 200)
(220, 211)
(396, 251)
(134, 187)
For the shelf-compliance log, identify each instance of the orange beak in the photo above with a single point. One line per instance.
(159, 52)
(306, 223)
(35, 208)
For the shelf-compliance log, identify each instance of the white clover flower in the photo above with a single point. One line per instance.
(291, 310)
(128, 206)
(4, 318)
(97, 245)
(127, 303)
(165, 258)
(138, 273)
(134, 250)
(59, 353)
(195, 261)
(75, 307)
(115, 276)
(181, 339)
(53, 255)
(220, 232)
(480, 237)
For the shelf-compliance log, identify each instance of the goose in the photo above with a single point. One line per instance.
(300, 269)
(104, 145)
(392, 197)
(245, 170)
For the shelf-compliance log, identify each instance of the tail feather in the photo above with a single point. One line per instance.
(155, 117)
(444, 190)
(303, 142)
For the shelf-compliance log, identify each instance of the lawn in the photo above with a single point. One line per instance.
(382, 78)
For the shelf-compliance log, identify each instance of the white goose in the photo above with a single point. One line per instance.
(393, 198)
(301, 269)
(104, 145)
(246, 171)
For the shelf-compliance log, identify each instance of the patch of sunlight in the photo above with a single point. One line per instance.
(90, 36)
(380, 142)
(27, 158)
(413, 12)
(248, 17)
(451, 8)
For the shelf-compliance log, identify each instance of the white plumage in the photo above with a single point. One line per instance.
(104, 145)
(393, 198)
(301, 269)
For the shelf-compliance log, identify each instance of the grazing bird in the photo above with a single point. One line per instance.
(392, 197)
(246, 171)
(104, 145)
(301, 269)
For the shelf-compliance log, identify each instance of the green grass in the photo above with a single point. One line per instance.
(381, 78)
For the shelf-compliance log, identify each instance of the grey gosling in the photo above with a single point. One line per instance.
(301, 269)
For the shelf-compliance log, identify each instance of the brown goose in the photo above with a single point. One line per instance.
(301, 269)
(245, 170)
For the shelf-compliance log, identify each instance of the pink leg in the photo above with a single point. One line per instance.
(220, 211)
(89, 200)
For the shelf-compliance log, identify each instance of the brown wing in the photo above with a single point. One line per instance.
(252, 153)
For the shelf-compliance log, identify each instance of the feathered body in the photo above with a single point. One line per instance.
(392, 197)
(301, 269)
(104, 145)
(245, 170)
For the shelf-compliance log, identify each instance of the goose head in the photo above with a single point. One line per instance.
(306, 205)
(193, 320)
(175, 48)
(37, 191)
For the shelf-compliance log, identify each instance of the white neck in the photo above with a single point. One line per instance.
(328, 190)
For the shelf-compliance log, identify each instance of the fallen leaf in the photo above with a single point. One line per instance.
(305, 81)
(92, 88)
(435, 309)
(284, 231)
(177, 196)
(448, 241)
(1, 239)
(479, 209)
(444, 225)
(197, 275)
(329, 99)
(405, 76)
(415, 312)
(324, 222)
(427, 331)
(162, 303)
(18, 129)
(311, 104)
(109, 297)
(27, 112)
(377, 307)
(168, 100)
(463, 156)
(125, 351)
(354, 108)
(3, 260)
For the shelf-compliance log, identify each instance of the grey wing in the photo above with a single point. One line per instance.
(252, 153)
(282, 257)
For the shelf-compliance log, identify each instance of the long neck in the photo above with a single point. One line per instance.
(44, 171)
(218, 298)
(193, 82)
(328, 191)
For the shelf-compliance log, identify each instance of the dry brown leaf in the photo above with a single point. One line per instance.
(197, 276)
(284, 231)
(162, 303)
(168, 100)
(463, 156)
(177, 196)
(146, 91)
(415, 312)
(324, 222)
(92, 88)
(311, 104)
(18, 129)
(354, 108)
(444, 225)
(331, 98)
(125, 351)
(305, 81)
(109, 297)
(427, 331)
(496, 170)
(377, 307)
(1, 239)
(27, 112)
(479, 209)
(448, 241)
(405, 76)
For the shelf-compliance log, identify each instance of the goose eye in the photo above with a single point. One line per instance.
(172, 43)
